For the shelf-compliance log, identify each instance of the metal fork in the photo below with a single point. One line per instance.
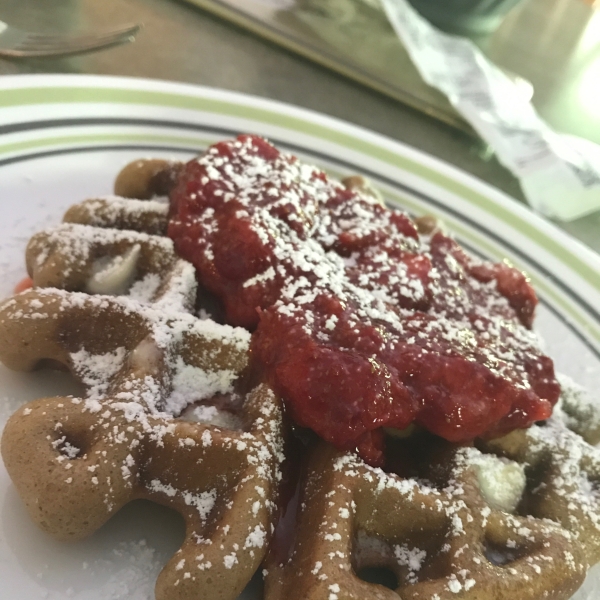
(16, 43)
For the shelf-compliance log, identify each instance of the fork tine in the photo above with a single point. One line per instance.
(83, 40)
(48, 37)
(60, 46)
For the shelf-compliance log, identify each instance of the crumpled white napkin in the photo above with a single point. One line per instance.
(560, 175)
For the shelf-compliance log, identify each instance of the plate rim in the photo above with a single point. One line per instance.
(411, 152)
(576, 262)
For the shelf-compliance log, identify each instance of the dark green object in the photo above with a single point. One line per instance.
(465, 16)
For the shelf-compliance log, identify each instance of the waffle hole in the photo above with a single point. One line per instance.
(209, 306)
(501, 555)
(535, 488)
(411, 557)
(71, 446)
(372, 560)
(380, 575)
(69, 449)
(589, 478)
(222, 410)
(210, 415)
(52, 364)
(255, 587)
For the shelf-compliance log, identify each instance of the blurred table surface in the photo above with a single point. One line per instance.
(183, 43)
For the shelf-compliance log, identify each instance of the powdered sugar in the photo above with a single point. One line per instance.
(203, 502)
(144, 290)
(501, 481)
(97, 370)
(577, 409)
(212, 416)
(191, 384)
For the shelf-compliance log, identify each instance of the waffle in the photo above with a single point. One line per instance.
(514, 517)
(455, 520)
(563, 467)
(170, 413)
(439, 535)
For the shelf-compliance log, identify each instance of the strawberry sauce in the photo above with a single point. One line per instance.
(359, 322)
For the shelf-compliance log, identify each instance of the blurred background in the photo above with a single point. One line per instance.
(342, 58)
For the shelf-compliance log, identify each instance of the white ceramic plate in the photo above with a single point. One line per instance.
(63, 138)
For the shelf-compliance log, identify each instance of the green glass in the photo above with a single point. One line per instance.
(465, 16)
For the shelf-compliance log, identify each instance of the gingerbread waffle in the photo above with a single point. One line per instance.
(114, 304)
(563, 467)
(517, 517)
(115, 308)
(438, 534)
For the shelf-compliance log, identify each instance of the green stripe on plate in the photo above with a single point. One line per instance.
(121, 138)
(47, 95)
